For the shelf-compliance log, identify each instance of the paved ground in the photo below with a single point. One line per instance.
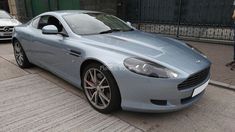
(36, 100)
(36, 104)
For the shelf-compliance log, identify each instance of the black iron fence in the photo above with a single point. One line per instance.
(188, 18)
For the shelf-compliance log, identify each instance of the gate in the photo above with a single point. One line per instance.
(186, 18)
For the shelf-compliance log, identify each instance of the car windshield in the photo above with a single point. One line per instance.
(4, 15)
(95, 23)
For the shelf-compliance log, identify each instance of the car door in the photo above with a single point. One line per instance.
(54, 52)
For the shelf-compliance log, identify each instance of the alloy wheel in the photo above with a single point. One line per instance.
(97, 88)
(19, 55)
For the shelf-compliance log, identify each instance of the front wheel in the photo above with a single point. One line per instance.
(20, 55)
(100, 88)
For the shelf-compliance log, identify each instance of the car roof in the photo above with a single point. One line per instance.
(67, 12)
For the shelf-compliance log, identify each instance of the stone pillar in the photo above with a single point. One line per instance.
(18, 9)
(12, 7)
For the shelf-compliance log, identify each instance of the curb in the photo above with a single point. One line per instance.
(222, 85)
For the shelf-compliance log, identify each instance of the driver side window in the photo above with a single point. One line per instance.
(50, 20)
(43, 22)
(35, 22)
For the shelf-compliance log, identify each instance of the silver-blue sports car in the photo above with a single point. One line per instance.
(116, 65)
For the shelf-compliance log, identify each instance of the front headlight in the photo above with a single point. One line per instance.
(148, 68)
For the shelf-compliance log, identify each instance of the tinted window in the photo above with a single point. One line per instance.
(43, 22)
(95, 23)
(5, 15)
(50, 20)
(35, 22)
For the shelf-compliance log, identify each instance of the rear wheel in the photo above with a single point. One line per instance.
(100, 88)
(20, 55)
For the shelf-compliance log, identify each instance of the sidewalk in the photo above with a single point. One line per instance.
(219, 55)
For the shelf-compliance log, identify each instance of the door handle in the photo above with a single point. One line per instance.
(75, 53)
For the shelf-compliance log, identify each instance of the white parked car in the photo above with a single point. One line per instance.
(7, 23)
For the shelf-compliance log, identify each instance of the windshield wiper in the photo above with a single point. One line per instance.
(110, 31)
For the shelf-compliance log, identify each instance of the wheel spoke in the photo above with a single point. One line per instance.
(95, 77)
(102, 100)
(104, 97)
(104, 87)
(92, 77)
(17, 48)
(101, 82)
(89, 83)
(21, 58)
(17, 56)
(96, 98)
(93, 95)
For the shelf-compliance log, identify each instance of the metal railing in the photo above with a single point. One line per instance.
(209, 19)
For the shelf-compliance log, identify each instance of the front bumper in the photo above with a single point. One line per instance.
(146, 94)
(5, 35)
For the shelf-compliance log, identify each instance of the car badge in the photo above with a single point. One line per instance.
(6, 29)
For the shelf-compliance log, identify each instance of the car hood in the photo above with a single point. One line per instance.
(9, 22)
(162, 50)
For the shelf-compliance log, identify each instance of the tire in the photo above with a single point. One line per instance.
(20, 56)
(101, 91)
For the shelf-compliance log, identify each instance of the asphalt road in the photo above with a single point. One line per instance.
(35, 100)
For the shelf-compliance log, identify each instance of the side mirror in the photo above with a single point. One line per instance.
(50, 29)
(129, 24)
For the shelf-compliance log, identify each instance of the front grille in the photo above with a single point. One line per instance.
(6, 29)
(195, 79)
